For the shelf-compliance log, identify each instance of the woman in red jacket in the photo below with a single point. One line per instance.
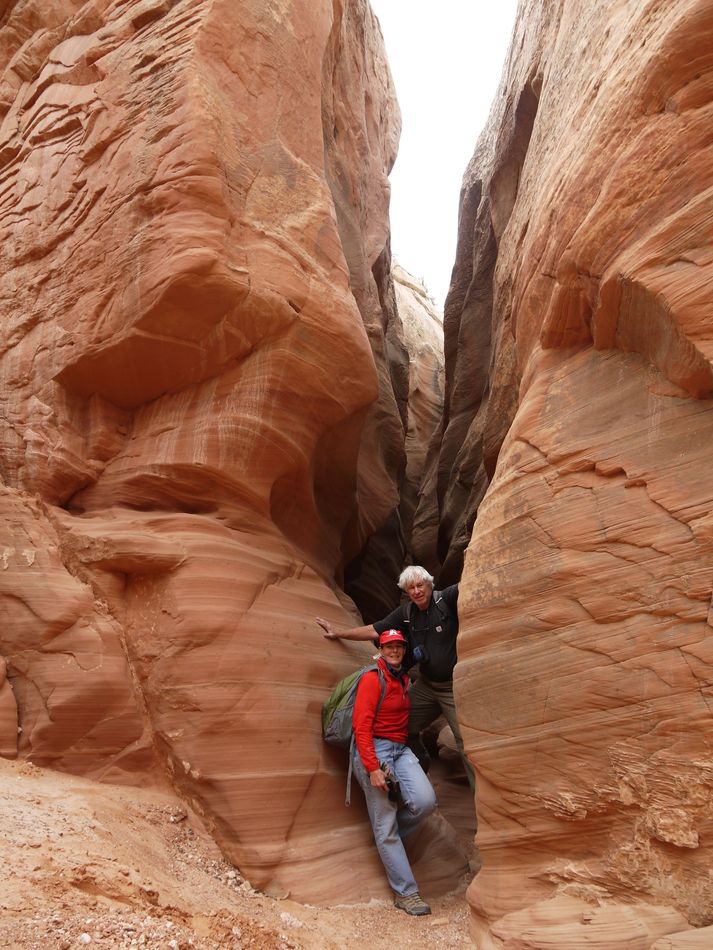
(380, 733)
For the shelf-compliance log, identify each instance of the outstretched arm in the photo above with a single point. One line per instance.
(353, 633)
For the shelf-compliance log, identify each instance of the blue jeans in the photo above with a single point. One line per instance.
(391, 826)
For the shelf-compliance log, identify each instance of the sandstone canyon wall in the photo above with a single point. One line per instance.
(578, 347)
(414, 342)
(203, 406)
(423, 332)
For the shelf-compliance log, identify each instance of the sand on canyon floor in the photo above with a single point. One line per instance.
(92, 865)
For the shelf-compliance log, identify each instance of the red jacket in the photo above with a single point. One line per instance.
(392, 721)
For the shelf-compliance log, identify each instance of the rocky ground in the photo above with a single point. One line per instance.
(88, 865)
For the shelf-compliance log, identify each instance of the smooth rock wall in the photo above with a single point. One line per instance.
(578, 345)
(423, 332)
(195, 306)
(414, 341)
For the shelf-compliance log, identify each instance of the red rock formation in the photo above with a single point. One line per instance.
(414, 344)
(195, 310)
(78, 707)
(583, 277)
(423, 338)
(8, 716)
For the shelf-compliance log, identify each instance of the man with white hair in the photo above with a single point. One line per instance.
(430, 622)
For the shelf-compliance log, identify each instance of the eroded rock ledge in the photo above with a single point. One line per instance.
(203, 415)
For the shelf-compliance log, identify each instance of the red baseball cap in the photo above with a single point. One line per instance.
(391, 636)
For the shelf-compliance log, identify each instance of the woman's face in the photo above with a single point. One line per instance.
(393, 653)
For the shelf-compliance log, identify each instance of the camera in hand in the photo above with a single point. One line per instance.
(392, 784)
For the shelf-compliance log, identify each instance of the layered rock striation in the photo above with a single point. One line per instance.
(579, 388)
(203, 419)
(414, 343)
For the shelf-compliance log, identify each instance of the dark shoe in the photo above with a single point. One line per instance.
(413, 904)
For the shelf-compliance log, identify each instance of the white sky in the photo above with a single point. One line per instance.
(446, 57)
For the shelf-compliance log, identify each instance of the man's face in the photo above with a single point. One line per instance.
(420, 593)
(393, 653)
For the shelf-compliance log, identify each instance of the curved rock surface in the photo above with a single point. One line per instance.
(423, 337)
(578, 347)
(202, 417)
(414, 343)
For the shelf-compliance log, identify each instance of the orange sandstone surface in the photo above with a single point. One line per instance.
(216, 400)
(117, 867)
(578, 344)
(204, 392)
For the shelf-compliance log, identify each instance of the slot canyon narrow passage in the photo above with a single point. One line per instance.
(226, 410)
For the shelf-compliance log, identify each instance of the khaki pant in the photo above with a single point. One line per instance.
(428, 701)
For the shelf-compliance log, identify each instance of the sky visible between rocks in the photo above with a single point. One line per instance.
(446, 58)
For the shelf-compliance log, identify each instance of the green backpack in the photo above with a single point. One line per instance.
(338, 710)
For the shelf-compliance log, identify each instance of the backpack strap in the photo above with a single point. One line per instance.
(441, 605)
(348, 799)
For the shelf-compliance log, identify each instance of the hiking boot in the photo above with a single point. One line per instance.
(413, 904)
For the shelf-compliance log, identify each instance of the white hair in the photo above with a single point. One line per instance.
(414, 573)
